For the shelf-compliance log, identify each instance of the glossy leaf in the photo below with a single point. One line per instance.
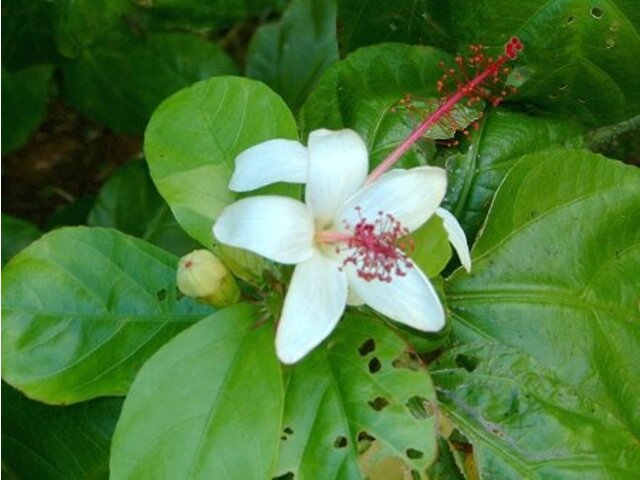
(57, 443)
(382, 92)
(207, 405)
(26, 95)
(555, 275)
(16, 235)
(290, 55)
(431, 250)
(526, 423)
(193, 139)
(121, 79)
(359, 386)
(129, 202)
(501, 139)
(581, 57)
(366, 22)
(83, 309)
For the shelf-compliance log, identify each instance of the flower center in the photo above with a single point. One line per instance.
(378, 249)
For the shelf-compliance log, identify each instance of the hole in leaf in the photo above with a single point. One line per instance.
(415, 475)
(467, 362)
(285, 476)
(367, 347)
(419, 407)
(161, 294)
(407, 360)
(288, 430)
(414, 454)
(365, 437)
(597, 13)
(378, 403)
(570, 19)
(283, 437)
(340, 442)
(374, 365)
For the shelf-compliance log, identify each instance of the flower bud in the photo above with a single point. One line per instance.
(203, 277)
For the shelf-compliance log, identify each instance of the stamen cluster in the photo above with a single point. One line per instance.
(379, 249)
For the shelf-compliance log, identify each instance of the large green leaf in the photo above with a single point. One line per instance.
(28, 33)
(525, 423)
(82, 310)
(57, 443)
(501, 139)
(129, 202)
(290, 55)
(207, 405)
(16, 235)
(207, 14)
(121, 79)
(366, 22)
(26, 94)
(79, 23)
(359, 386)
(193, 139)
(368, 92)
(556, 275)
(581, 57)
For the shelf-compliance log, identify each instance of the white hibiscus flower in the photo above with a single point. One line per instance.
(344, 240)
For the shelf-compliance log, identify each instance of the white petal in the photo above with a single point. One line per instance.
(410, 299)
(353, 299)
(315, 302)
(278, 228)
(277, 160)
(338, 164)
(456, 236)
(411, 196)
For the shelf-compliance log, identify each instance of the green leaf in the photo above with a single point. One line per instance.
(525, 423)
(291, 54)
(129, 202)
(207, 405)
(501, 139)
(360, 385)
(366, 22)
(121, 79)
(581, 57)
(16, 235)
(28, 33)
(26, 94)
(80, 23)
(208, 14)
(193, 139)
(83, 308)
(373, 91)
(555, 275)
(431, 250)
(57, 443)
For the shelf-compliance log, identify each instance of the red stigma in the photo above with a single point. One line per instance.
(378, 249)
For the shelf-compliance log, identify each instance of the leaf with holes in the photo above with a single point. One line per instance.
(384, 92)
(82, 310)
(290, 55)
(555, 275)
(360, 390)
(501, 139)
(207, 405)
(194, 136)
(76, 444)
(581, 57)
(129, 202)
(526, 423)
